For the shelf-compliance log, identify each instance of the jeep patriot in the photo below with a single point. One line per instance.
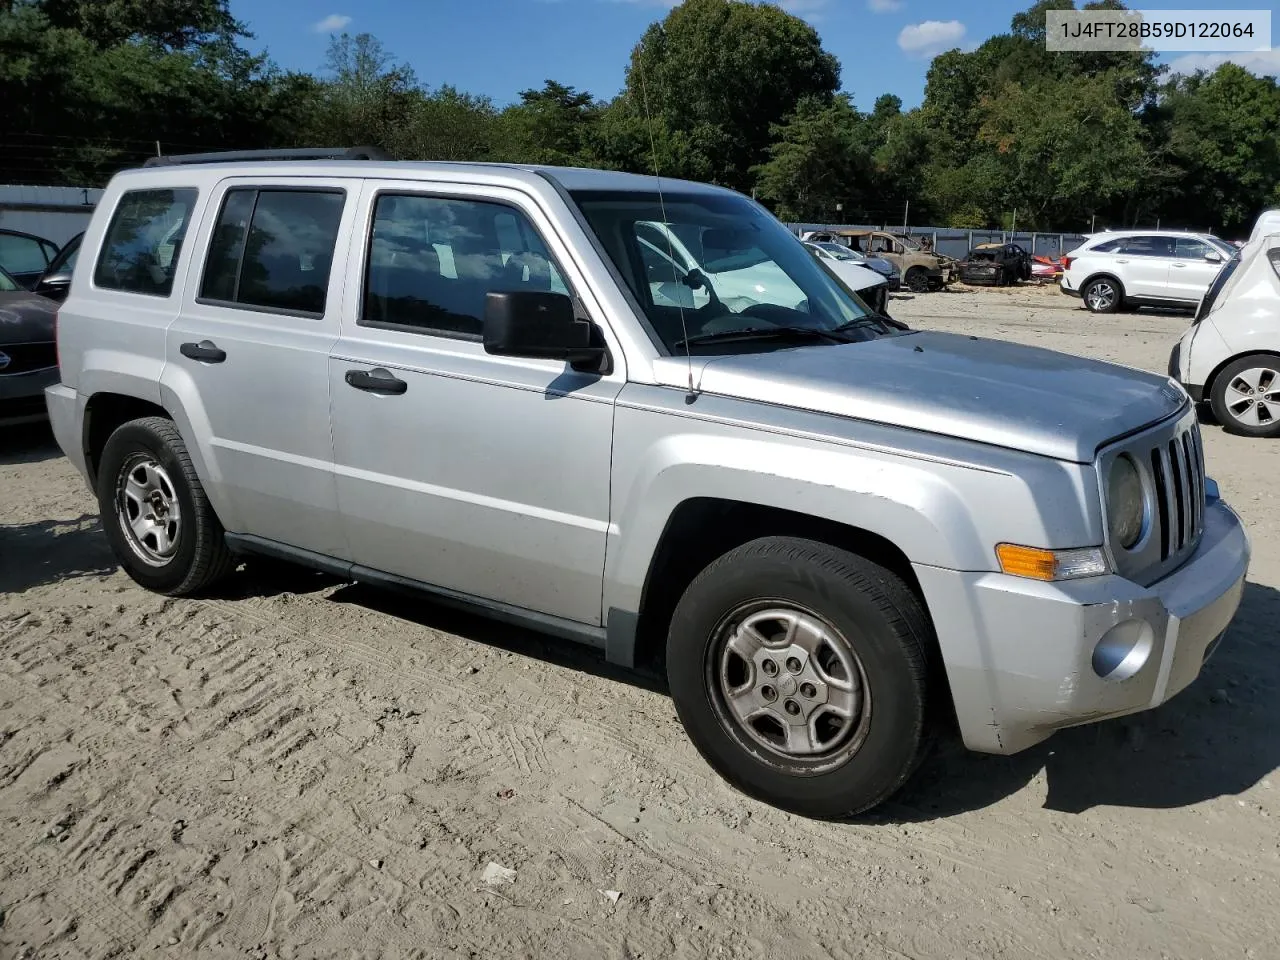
(837, 537)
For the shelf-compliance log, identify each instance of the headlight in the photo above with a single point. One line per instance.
(1126, 503)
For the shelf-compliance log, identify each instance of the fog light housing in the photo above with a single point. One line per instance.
(1123, 650)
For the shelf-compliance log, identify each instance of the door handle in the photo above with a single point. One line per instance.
(1122, 261)
(205, 351)
(376, 381)
(1178, 265)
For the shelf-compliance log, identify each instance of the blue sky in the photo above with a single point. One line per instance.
(499, 47)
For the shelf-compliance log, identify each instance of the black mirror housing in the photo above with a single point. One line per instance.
(540, 325)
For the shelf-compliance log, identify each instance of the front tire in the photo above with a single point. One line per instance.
(1102, 295)
(1246, 396)
(157, 518)
(917, 280)
(800, 673)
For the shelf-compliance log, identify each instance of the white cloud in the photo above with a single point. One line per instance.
(331, 24)
(930, 37)
(884, 6)
(1263, 63)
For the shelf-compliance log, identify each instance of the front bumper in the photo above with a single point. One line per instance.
(1026, 658)
(22, 395)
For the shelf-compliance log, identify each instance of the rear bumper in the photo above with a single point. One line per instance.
(66, 414)
(1026, 658)
(22, 395)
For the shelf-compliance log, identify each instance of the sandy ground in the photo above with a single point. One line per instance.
(302, 768)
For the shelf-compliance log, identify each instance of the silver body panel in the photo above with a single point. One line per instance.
(543, 493)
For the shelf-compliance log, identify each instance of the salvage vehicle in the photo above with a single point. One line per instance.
(57, 277)
(1230, 355)
(24, 256)
(922, 270)
(1143, 268)
(995, 264)
(837, 539)
(838, 252)
(28, 357)
(867, 284)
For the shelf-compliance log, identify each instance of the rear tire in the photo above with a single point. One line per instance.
(157, 518)
(1246, 396)
(1102, 295)
(800, 673)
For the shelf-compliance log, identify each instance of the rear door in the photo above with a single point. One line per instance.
(1144, 262)
(247, 359)
(1190, 273)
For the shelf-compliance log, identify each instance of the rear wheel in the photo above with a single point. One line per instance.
(158, 521)
(1102, 295)
(1246, 396)
(799, 671)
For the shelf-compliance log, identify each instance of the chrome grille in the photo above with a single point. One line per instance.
(1172, 457)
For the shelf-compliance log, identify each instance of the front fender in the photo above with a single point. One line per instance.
(943, 502)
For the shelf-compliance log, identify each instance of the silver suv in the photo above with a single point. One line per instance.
(837, 537)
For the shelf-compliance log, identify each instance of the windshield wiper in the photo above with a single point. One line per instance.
(870, 320)
(764, 333)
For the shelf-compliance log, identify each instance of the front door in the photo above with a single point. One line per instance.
(483, 475)
(248, 357)
(1190, 273)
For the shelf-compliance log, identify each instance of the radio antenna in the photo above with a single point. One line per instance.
(692, 395)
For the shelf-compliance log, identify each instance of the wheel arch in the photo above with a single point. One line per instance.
(104, 413)
(1212, 378)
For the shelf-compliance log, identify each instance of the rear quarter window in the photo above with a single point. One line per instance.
(143, 243)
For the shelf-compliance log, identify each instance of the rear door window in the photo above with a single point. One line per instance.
(1147, 246)
(143, 242)
(272, 249)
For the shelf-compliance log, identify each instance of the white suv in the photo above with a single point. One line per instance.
(1152, 268)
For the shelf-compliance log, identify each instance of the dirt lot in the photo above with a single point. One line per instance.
(302, 768)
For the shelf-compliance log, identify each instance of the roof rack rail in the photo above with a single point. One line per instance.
(311, 153)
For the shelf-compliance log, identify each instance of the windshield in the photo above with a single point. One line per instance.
(703, 265)
(839, 251)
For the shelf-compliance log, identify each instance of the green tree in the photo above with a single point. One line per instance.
(723, 73)
(818, 159)
(552, 125)
(1224, 141)
(174, 24)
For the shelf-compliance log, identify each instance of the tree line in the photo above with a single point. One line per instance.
(727, 91)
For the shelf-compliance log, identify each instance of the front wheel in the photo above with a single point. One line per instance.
(157, 518)
(799, 672)
(917, 280)
(1246, 396)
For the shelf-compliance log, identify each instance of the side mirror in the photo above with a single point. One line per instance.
(532, 323)
(1213, 257)
(53, 285)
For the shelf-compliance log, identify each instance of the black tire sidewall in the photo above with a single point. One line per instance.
(893, 740)
(137, 438)
(1218, 399)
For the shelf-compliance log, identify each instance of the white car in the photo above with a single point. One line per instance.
(1231, 354)
(1151, 268)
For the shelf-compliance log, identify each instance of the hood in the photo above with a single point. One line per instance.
(26, 317)
(990, 391)
(857, 276)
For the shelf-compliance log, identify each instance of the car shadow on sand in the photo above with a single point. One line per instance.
(1216, 738)
(27, 443)
(51, 551)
